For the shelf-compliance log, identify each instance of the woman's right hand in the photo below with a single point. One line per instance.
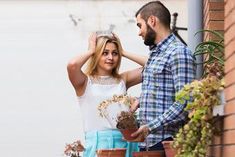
(92, 43)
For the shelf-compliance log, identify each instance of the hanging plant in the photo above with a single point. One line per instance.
(201, 96)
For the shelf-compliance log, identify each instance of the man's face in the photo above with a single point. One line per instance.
(150, 36)
(145, 31)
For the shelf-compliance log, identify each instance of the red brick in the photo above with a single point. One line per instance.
(211, 37)
(205, 6)
(217, 140)
(229, 47)
(229, 33)
(210, 10)
(228, 151)
(229, 137)
(206, 16)
(230, 77)
(229, 92)
(206, 19)
(215, 151)
(229, 6)
(230, 107)
(216, 15)
(216, 25)
(216, 5)
(229, 20)
(229, 62)
(229, 122)
(205, 3)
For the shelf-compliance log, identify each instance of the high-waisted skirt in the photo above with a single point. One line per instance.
(107, 139)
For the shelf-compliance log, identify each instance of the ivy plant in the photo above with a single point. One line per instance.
(201, 96)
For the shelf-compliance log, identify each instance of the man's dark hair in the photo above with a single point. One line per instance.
(155, 8)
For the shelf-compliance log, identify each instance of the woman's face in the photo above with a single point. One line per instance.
(108, 60)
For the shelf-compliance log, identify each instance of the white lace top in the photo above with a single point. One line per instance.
(98, 90)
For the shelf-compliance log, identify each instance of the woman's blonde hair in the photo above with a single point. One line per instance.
(100, 46)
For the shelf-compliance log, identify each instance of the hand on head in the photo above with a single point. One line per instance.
(121, 49)
(92, 43)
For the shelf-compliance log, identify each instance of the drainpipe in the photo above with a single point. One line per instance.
(195, 20)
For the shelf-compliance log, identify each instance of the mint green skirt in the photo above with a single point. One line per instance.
(107, 139)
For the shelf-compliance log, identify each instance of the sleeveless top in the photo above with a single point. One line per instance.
(98, 90)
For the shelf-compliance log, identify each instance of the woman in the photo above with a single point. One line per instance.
(100, 82)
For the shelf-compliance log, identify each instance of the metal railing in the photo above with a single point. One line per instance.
(175, 29)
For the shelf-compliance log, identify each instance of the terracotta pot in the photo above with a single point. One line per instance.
(148, 154)
(127, 134)
(117, 152)
(169, 151)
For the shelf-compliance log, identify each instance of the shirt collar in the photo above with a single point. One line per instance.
(161, 46)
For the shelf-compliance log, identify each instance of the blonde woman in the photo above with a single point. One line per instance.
(101, 81)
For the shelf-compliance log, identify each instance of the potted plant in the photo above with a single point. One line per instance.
(117, 152)
(125, 120)
(121, 120)
(201, 96)
(148, 154)
(114, 105)
(169, 150)
(72, 150)
(127, 124)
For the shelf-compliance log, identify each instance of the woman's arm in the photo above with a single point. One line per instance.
(76, 76)
(141, 60)
(134, 77)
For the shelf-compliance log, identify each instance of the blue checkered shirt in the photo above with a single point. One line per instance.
(170, 66)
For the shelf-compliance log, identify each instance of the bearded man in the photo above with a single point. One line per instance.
(170, 66)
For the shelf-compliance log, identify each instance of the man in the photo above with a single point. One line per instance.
(170, 66)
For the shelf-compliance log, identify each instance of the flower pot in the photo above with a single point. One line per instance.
(148, 154)
(127, 135)
(169, 151)
(117, 152)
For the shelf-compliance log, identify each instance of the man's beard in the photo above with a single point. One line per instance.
(150, 36)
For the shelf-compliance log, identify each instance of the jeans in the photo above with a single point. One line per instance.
(157, 146)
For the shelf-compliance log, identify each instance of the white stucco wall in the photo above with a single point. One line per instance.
(38, 108)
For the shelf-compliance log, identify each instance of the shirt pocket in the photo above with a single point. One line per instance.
(158, 69)
(161, 68)
(160, 74)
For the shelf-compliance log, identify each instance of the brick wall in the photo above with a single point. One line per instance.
(213, 19)
(220, 15)
(229, 120)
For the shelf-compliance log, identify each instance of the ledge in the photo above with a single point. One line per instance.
(219, 110)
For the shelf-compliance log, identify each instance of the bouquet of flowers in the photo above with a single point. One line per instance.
(72, 150)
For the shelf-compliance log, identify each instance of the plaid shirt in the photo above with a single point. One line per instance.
(169, 67)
